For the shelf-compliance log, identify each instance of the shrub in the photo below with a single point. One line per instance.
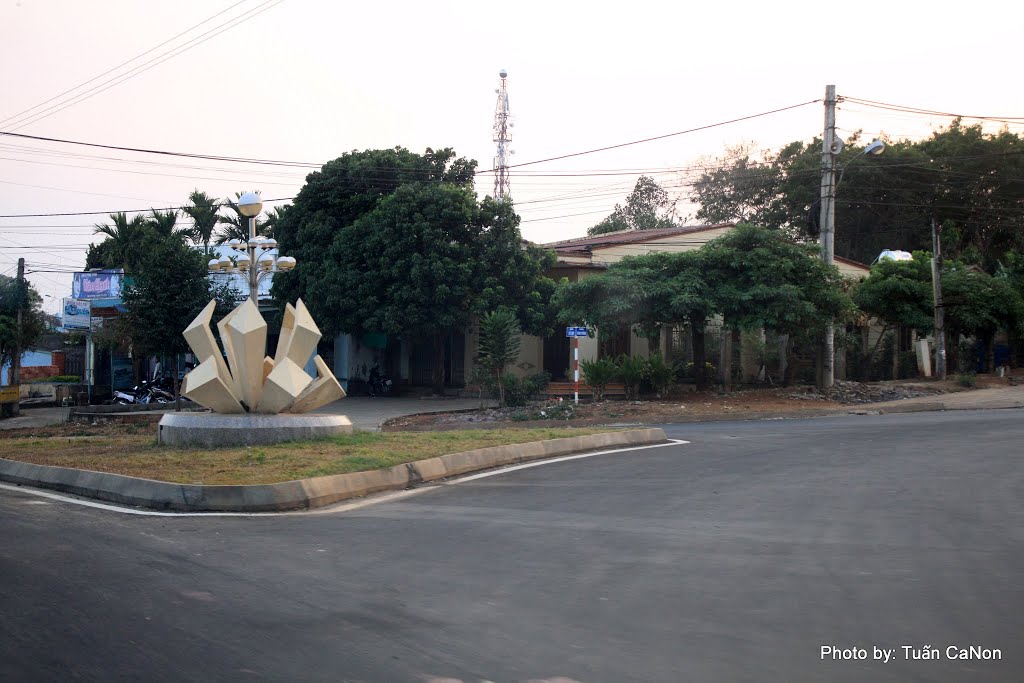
(519, 391)
(499, 345)
(661, 375)
(72, 379)
(967, 379)
(599, 374)
(632, 371)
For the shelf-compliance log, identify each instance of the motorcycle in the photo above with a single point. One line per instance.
(379, 383)
(142, 394)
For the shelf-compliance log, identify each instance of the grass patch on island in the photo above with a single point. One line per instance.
(134, 452)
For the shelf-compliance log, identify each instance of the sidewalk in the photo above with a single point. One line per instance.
(978, 399)
(36, 417)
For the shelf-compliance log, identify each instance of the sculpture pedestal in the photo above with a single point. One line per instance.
(214, 429)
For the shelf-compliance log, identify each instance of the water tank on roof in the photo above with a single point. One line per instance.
(895, 255)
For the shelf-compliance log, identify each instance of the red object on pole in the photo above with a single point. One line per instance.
(576, 367)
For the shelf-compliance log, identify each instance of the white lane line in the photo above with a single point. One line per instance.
(338, 507)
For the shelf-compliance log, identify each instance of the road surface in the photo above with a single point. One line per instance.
(735, 557)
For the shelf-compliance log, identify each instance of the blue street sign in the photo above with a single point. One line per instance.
(575, 332)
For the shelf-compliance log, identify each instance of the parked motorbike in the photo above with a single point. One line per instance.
(142, 393)
(379, 384)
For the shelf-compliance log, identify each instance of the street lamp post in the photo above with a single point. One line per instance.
(831, 146)
(253, 263)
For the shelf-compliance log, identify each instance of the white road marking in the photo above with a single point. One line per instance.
(338, 507)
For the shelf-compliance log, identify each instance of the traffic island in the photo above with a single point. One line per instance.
(311, 492)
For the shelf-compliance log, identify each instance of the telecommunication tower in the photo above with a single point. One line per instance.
(502, 137)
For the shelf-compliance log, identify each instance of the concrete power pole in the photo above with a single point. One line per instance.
(938, 311)
(502, 138)
(16, 360)
(829, 149)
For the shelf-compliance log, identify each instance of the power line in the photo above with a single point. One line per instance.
(125, 63)
(930, 112)
(99, 213)
(667, 135)
(96, 90)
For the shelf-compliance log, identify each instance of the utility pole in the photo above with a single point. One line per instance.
(827, 222)
(502, 137)
(16, 360)
(938, 311)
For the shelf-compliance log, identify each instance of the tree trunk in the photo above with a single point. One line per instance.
(437, 380)
(790, 365)
(726, 356)
(990, 352)
(177, 386)
(700, 374)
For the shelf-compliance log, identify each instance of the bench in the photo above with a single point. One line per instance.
(554, 389)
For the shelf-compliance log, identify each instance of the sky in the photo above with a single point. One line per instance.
(307, 80)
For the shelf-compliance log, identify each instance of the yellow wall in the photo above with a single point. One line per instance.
(673, 244)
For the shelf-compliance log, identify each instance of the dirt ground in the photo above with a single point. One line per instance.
(714, 404)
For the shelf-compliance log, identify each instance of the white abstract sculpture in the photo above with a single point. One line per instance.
(251, 381)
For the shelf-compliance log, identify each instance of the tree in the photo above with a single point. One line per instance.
(33, 320)
(648, 292)
(499, 345)
(202, 209)
(979, 305)
(125, 245)
(761, 280)
(165, 224)
(235, 225)
(647, 207)
(395, 242)
(899, 292)
(966, 179)
(169, 288)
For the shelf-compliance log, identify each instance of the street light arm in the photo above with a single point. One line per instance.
(875, 148)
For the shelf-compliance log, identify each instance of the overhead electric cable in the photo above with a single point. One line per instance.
(125, 63)
(96, 90)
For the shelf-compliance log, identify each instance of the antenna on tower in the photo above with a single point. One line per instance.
(502, 137)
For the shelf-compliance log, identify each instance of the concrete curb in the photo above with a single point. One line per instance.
(305, 493)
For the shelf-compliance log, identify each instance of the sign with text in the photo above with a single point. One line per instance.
(76, 314)
(575, 332)
(103, 284)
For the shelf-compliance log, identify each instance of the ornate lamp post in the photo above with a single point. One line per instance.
(258, 259)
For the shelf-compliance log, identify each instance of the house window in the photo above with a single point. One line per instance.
(615, 344)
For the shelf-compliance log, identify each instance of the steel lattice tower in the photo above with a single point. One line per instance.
(502, 137)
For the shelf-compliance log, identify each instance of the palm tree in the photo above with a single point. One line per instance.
(274, 217)
(202, 209)
(236, 225)
(164, 223)
(127, 238)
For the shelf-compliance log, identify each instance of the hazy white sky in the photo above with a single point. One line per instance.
(306, 80)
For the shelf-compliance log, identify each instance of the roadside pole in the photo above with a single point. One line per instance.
(938, 311)
(16, 360)
(576, 368)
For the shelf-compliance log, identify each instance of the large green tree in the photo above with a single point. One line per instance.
(126, 243)
(33, 320)
(968, 180)
(396, 242)
(646, 292)
(762, 280)
(169, 288)
(899, 292)
(202, 209)
(647, 207)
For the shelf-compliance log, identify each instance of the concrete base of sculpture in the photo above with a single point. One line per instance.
(213, 429)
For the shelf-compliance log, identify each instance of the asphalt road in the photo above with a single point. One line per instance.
(735, 557)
